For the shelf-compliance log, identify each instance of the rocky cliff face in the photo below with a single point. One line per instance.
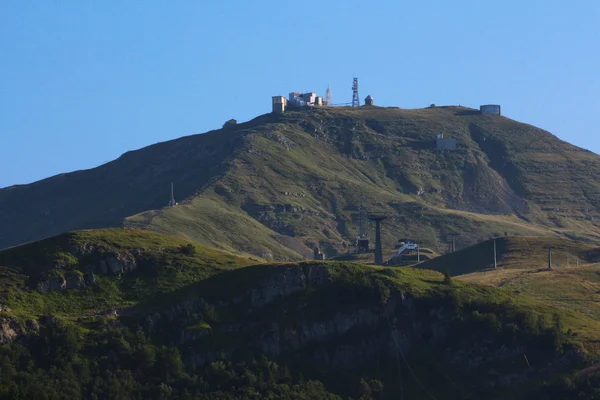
(400, 327)
(11, 328)
(66, 282)
(91, 262)
(287, 281)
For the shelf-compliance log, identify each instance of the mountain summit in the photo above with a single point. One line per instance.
(281, 184)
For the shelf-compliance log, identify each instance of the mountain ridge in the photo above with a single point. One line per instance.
(280, 185)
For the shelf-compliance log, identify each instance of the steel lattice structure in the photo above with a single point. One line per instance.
(355, 99)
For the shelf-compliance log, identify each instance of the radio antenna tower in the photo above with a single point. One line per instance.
(328, 97)
(172, 202)
(355, 100)
(362, 240)
(362, 221)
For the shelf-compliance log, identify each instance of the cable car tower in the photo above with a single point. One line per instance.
(378, 218)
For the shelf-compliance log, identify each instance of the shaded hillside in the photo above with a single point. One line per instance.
(96, 270)
(102, 197)
(520, 252)
(294, 330)
(281, 184)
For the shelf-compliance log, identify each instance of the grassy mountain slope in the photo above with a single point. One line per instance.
(51, 275)
(515, 252)
(523, 268)
(291, 181)
(103, 196)
(335, 322)
(305, 175)
(570, 287)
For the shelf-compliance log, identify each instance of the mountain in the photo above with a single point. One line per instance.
(279, 185)
(515, 252)
(124, 313)
(573, 282)
(152, 263)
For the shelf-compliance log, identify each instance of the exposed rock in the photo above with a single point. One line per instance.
(49, 320)
(229, 123)
(74, 282)
(102, 268)
(346, 339)
(9, 330)
(90, 279)
(282, 282)
(64, 283)
(102, 263)
(32, 325)
(186, 307)
(288, 280)
(277, 340)
(82, 250)
(54, 283)
(116, 264)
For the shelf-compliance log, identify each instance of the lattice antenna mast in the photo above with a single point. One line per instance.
(328, 97)
(172, 201)
(363, 221)
(355, 99)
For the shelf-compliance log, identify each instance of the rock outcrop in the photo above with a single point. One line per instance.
(66, 282)
(343, 338)
(9, 330)
(288, 280)
(282, 282)
(311, 339)
(97, 263)
(114, 264)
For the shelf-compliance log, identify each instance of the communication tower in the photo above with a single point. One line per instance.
(328, 97)
(355, 100)
(362, 240)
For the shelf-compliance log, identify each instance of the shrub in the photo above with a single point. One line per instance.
(447, 278)
(188, 249)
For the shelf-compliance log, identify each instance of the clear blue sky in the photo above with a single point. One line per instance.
(82, 82)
